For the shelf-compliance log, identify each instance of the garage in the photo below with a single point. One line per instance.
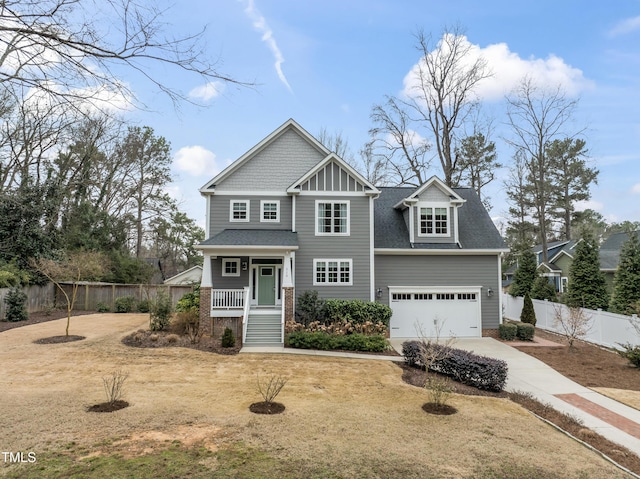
(430, 312)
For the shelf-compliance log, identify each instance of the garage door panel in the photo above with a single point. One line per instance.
(430, 314)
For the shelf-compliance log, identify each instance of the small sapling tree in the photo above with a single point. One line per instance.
(574, 323)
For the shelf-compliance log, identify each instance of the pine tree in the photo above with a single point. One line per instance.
(543, 289)
(525, 275)
(626, 282)
(528, 314)
(586, 282)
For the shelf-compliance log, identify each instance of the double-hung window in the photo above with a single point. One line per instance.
(269, 211)
(434, 221)
(239, 211)
(333, 272)
(332, 217)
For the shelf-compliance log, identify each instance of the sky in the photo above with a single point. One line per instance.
(326, 63)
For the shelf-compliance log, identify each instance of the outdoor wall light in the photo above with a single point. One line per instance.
(379, 293)
(244, 265)
(489, 292)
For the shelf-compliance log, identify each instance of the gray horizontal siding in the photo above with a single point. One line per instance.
(228, 282)
(356, 246)
(283, 161)
(220, 207)
(430, 270)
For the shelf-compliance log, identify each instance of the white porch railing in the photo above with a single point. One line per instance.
(245, 313)
(227, 299)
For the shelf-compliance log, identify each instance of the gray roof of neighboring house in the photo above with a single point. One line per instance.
(610, 250)
(476, 230)
(249, 237)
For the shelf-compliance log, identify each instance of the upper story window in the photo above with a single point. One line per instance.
(332, 217)
(239, 210)
(270, 211)
(434, 221)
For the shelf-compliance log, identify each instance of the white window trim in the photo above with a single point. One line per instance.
(226, 261)
(262, 203)
(315, 214)
(338, 283)
(434, 206)
(232, 219)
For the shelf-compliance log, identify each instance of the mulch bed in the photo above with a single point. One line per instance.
(438, 409)
(587, 364)
(108, 406)
(59, 339)
(40, 317)
(264, 407)
(165, 339)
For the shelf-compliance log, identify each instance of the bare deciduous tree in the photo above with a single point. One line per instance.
(575, 323)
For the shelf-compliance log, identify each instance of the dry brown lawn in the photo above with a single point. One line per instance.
(353, 416)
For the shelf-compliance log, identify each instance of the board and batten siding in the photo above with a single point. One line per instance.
(221, 204)
(356, 246)
(280, 163)
(443, 270)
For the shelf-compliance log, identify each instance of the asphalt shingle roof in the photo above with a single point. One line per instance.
(252, 237)
(610, 250)
(476, 230)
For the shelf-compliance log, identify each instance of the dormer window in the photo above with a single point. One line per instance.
(434, 221)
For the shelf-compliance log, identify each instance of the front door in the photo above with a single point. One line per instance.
(266, 285)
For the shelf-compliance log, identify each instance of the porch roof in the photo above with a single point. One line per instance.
(253, 237)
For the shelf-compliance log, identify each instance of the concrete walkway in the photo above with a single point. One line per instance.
(615, 421)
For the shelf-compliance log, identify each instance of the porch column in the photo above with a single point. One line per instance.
(206, 283)
(287, 288)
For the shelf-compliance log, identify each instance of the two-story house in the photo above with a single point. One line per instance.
(290, 216)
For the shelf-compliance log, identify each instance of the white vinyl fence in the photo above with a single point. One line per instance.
(607, 329)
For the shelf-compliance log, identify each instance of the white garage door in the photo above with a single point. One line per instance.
(430, 313)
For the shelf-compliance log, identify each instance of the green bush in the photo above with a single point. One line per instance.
(631, 353)
(310, 308)
(508, 331)
(189, 301)
(357, 311)
(528, 314)
(160, 312)
(526, 331)
(16, 301)
(124, 304)
(183, 320)
(228, 338)
(143, 306)
(102, 308)
(8, 279)
(326, 342)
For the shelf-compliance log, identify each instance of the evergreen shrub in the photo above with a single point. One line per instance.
(508, 331)
(525, 331)
(228, 338)
(16, 301)
(528, 314)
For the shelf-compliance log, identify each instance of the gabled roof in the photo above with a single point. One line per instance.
(433, 181)
(476, 230)
(286, 126)
(186, 275)
(567, 249)
(332, 157)
(610, 250)
(550, 267)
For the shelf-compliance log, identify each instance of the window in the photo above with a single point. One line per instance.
(239, 210)
(400, 296)
(270, 211)
(446, 296)
(332, 217)
(231, 267)
(434, 221)
(332, 271)
(467, 296)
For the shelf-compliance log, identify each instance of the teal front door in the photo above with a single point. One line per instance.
(266, 285)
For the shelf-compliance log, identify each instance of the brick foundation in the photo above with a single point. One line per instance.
(288, 304)
(206, 323)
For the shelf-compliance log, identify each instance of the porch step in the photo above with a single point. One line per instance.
(264, 330)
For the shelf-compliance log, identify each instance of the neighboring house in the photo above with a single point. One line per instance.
(190, 276)
(290, 216)
(556, 269)
(610, 255)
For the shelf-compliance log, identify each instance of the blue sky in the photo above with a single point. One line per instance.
(326, 63)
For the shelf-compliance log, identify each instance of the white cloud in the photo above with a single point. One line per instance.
(589, 205)
(628, 25)
(635, 189)
(207, 91)
(509, 69)
(196, 161)
(260, 24)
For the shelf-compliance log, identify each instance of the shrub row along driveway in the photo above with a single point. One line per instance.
(353, 417)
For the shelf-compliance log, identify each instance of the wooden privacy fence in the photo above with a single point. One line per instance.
(91, 295)
(606, 329)
(39, 298)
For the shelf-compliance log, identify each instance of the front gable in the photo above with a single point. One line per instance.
(271, 165)
(332, 174)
